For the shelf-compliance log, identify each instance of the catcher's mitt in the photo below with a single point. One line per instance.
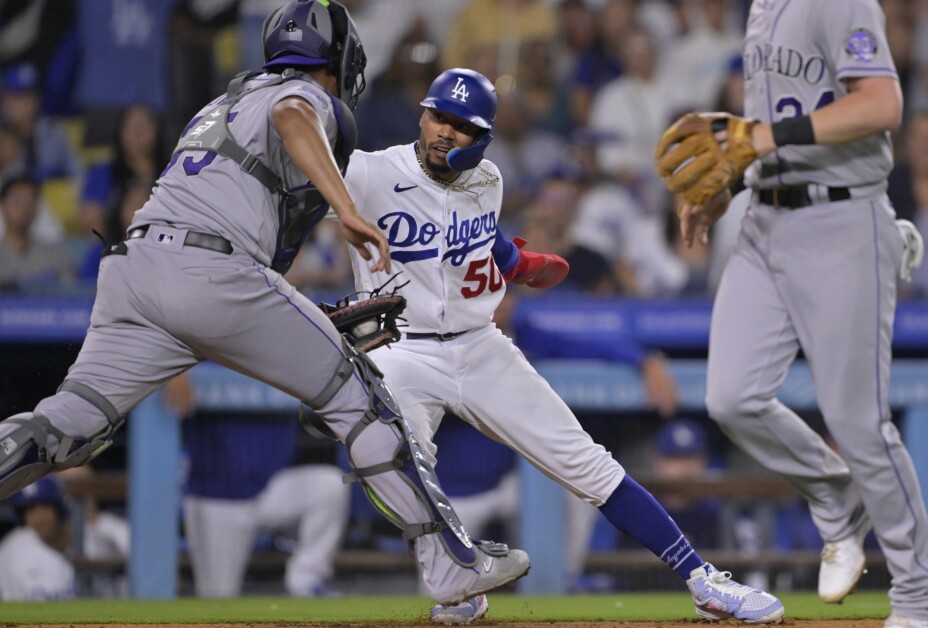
(694, 165)
(370, 323)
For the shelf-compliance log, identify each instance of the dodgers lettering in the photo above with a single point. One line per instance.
(403, 231)
(784, 61)
(464, 232)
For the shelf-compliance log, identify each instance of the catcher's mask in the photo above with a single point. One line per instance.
(470, 96)
(317, 33)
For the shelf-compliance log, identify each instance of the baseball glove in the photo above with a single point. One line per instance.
(369, 323)
(692, 162)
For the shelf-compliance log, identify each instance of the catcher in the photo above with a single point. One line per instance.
(815, 268)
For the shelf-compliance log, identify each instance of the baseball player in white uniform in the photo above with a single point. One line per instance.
(199, 278)
(33, 566)
(438, 201)
(815, 269)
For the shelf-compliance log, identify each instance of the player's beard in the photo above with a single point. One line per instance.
(436, 167)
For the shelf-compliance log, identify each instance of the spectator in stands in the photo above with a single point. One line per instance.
(46, 150)
(124, 60)
(27, 264)
(522, 150)
(631, 113)
(498, 28)
(544, 101)
(198, 70)
(576, 35)
(696, 62)
(33, 565)
(730, 96)
(681, 452)
(622, 247)
(241, 479)
(601, 63)
(130, 200)
(139, 156)
(43, 33)
(389, 115)
(105, 537)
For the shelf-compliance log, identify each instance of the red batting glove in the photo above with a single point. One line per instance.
(537, 270)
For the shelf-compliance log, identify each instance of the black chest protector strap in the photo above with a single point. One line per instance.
(212, 132)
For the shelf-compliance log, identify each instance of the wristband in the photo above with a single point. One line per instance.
(796, 130)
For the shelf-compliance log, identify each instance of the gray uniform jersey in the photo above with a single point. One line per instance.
(222, 199)
(797, 56)
(820, 277)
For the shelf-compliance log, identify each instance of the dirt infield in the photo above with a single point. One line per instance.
(787, 623)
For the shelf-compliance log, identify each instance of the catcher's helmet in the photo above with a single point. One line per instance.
(46, 490)
(470, 96)
(317, 33)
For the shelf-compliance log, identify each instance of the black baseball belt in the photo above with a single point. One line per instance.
(193, 238)
(798, 196)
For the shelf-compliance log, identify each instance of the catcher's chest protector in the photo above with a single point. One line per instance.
(300, 208)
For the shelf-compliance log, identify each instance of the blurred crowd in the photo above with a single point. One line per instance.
(93, 95)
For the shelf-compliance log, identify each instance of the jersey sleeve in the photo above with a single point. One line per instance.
(356, 179)
(854, 38)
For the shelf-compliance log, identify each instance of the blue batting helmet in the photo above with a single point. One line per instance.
(317, 33)
(470, 96)
(46, 490)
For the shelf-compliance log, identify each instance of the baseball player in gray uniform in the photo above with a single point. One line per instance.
(815, 269)
(199, 277)
(438, 202)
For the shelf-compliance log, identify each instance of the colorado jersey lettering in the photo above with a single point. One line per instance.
(448, 262)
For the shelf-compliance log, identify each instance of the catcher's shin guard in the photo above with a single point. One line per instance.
(405, 457)
(35, 448)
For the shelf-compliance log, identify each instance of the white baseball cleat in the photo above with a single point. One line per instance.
(497, 570)
(914, 249)
(898, 621)
(716, 596)
(461, 614)
(843, 563)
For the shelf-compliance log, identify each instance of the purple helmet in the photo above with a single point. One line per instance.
(470, 96)
(317, 33)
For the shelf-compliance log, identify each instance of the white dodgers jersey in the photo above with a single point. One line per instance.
(440, 237)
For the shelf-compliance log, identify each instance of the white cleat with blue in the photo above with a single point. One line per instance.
(460, 614)
(716, 597)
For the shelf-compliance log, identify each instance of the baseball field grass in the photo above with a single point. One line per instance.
(633, 609)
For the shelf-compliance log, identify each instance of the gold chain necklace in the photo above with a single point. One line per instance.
(491, 179)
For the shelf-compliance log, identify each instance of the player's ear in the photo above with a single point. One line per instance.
(425, 112)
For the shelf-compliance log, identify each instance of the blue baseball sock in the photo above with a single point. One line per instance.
(634, 511)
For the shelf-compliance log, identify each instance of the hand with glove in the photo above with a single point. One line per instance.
(537, 270)
(702, 154)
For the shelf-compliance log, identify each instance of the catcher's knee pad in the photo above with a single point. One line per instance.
(397, 451)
